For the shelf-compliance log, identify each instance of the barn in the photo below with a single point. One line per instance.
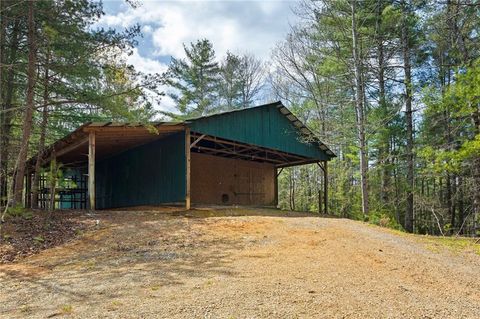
(230, 158)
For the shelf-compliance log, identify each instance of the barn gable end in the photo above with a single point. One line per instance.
(267, 126)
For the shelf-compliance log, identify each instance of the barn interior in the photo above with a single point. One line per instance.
(226, 172)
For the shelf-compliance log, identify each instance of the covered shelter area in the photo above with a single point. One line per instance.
(230, 158)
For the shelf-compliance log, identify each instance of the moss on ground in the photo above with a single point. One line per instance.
(453, 244)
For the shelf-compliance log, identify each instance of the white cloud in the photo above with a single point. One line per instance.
(147, 29)
(237, 26)
(146, 65)
(243, 26)
(151, 66)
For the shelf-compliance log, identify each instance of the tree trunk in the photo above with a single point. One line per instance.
(7, 115)
(451, 213)
(449, 192)
(385, 138)
(409, 222)
(461, 207)
(476, 174)
(3, 27)
(28, 116)
(43, 132)
(360, 112)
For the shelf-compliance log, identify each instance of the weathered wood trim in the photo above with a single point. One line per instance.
(187, 170)
(91, 169)
(120, 129)
(68, 149)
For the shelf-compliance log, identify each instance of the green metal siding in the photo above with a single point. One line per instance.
(262, 126)
(150, 174)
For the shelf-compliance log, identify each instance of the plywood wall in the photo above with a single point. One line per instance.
(224, 181)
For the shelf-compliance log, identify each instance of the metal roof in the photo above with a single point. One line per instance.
(78, 136)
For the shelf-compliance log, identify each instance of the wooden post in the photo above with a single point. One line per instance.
(320, 201)
(28, 187)
(91, 169)
(29, 193)
(275, 200)
(187, 171)
(325, 187)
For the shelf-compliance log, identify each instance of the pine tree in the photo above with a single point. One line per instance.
(195, 79)
(230, 85)
(75, 73)
(241, 81)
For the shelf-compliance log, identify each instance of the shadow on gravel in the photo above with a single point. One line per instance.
(199, 211)
(125, 254)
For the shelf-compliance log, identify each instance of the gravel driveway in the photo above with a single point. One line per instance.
(268, 264)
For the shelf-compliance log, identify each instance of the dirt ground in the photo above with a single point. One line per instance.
(268, 264)
(26, 235)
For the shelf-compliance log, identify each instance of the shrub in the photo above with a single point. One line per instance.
(383, 219)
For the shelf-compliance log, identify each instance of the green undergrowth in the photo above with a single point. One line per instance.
(18, 211)
(383, 219)
(453, 244)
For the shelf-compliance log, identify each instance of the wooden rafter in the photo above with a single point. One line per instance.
(245, 151)
(67, 149)
(305, 161)
(197, 140)
(213, 150)
(214, 139)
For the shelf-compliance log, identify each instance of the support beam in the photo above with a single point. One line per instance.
(297, 163)
(325, 186)
(213, 150)
(91, 169)
(321, 166)
(275, 201)
(28, 189)
(187, 165)
(69, 148)
(320, 201)
(249, 146)
(320, 191)
(280, 171)
(197, 140)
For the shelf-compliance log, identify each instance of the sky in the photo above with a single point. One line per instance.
(251, 26)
